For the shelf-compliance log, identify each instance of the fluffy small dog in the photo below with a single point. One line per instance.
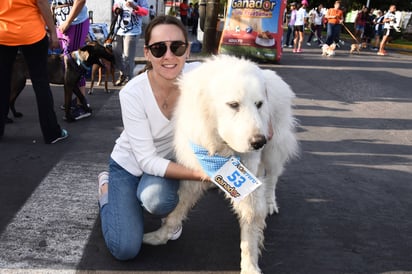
(355, 48)
(328, 50)
(233, 112)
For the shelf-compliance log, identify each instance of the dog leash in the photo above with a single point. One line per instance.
(350, 33)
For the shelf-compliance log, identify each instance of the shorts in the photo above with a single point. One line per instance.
(388, 32)
(299, 28)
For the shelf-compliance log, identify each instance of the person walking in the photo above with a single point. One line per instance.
(290, 34)
(23, 26)
(335, 19)
(73, 24)
(195, 19)
(183, 10)
(128, 31)
(389, 20)
(316, 25)
(142, 174)
(301, 20)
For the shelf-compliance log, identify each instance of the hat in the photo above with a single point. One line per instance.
(305, 2)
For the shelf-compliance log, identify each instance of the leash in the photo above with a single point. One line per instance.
(350, 33)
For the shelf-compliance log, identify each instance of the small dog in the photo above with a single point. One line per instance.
(328, 50)
(108, 71)
(355, 48)
(233, 111)
(63, 71)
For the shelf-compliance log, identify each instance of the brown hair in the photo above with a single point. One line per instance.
(160, 20)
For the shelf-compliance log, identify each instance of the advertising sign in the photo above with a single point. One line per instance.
(253, 29)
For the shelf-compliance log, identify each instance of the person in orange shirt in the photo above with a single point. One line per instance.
(23, 26)
(335, 20)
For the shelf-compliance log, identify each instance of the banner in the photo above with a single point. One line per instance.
(254, 29)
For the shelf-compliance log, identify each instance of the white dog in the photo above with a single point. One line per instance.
(328, 50)
(227, 106)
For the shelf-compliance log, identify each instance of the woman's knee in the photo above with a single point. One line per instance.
(159, 196)
(126, 251)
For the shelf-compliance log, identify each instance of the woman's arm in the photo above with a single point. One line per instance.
(177, 171)
(76, 9)
(43, 6)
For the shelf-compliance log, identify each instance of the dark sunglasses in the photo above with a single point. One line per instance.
(159, 49)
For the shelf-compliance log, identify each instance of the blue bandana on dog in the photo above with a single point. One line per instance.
(210, 163)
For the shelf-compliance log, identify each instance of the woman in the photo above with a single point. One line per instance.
(128, 31)
(335, 20)
(22, 25)
(73, 24)
(301, 18)
(317, 25)
(142, 175)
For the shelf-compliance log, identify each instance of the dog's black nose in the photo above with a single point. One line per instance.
(258, 141)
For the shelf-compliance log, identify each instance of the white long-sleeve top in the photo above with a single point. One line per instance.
(146, 143)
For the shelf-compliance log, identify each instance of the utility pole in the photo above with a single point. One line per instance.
(209, 10)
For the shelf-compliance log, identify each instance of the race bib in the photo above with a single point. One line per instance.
(235, 179)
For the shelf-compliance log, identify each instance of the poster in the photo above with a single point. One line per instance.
(254, 29)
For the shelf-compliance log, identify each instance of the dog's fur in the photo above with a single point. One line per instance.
(328, 50)
(108, 71)
(61, 71)
(355, 48)
(226, 106)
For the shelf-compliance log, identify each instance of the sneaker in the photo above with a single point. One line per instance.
(299, 50)
(382, 53)
(79, 113)
(63, 136)
(285, 46)
(294, 50)
(73, 104)
(103, 178)
(289, 46)
(308, 44)
(121, 81)
(176, 233)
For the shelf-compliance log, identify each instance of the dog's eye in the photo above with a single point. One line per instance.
(233, 105)
(259, 104)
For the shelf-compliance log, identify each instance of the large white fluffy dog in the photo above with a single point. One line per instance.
(226, 106)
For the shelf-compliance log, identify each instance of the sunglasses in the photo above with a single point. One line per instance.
(178, 48)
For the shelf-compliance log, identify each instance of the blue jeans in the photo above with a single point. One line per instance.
(333, 33)
(121, 209)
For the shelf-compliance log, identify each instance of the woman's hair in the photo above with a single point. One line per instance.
(161, 20)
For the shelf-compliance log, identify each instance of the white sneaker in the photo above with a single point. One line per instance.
(176, 233)
(103, 178)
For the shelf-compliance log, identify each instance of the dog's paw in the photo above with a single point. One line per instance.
(273, 208)
(155, 238)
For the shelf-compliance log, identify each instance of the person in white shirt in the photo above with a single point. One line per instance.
(389, 20)
(316, 25)
(142, 174)
(301, 18)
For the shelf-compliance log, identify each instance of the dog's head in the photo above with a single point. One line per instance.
(93, 52)
(225, 102)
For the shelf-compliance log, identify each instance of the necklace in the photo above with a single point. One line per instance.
(161, 96)
(165, 104)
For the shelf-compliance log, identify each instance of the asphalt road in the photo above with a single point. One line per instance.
(345, 202)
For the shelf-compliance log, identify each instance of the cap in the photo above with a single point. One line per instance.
(305, 2)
